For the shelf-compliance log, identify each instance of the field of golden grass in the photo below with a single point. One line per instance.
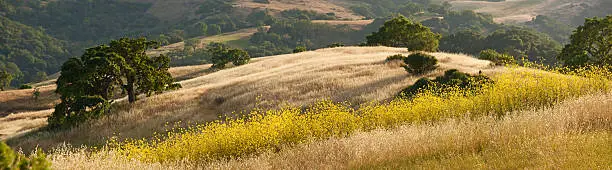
(575, 134)
(357, 125)
(352, 74)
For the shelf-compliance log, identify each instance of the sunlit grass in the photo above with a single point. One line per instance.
(260, 132)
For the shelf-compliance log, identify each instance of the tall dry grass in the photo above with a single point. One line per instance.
(353, 74)
(575, 134)
(516, 89)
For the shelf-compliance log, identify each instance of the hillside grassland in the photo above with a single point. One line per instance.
(336, 108)
(353, 74)
(518, 11)
(566, 134)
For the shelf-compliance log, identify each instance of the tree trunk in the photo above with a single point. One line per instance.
(130, 89)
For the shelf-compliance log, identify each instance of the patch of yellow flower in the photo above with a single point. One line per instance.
(258, 132)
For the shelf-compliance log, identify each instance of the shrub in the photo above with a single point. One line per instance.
(11, 160)
(222, 54)
(334, 45)
(495, 57)
(451, 80)
(395, 57)
(299, 49)
(239, 57)
(25, 86)
(420, 63)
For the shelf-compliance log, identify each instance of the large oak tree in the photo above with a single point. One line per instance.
(89, 83)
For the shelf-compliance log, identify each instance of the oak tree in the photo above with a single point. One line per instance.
(401, 32)
(591, 43)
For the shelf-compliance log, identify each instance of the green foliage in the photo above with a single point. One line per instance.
(591, 43)
(221, 54)
(210, 7)
(515, 41)
(420, 63)
(464, 41)
(297, 14)
(198, 29)
(525, 43)
(11, 160)
(25, 51)
(239, 57)
(299, 49)
(334, 45)
(395, 57)
(36, 93)
(285, 36)
(91, 20)
(25, 86)
(495, 57)
(88, 84)
(556, 30)
(5, 79)
(451, 80)
(214, 29)
(381, 8)
(401, 32)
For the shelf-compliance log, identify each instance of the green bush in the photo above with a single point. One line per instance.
(299, 49)
(420, 63)
(452, 79)
(495, 57)
(395, 57)
(334, 45)
(25, 86)
(11, 160)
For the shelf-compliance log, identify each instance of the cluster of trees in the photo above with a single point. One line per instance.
(516, 41)
(401, 32)
(27, 53)
(221, 54)
(285, 35)
(88, 84)
(382, 8)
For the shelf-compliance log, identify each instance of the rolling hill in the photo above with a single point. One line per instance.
(352, 74)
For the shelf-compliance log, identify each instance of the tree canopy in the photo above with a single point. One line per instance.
(88, 84)
(401, 32)
(591, 43)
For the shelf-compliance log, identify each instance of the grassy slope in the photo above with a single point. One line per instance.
(512, 11)
(572, 135)
(353, 74)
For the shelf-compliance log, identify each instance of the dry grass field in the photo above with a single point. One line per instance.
(571, 134)
(352, 74)
(515, 11)
(338, 7)
(354, 24)
(242, 34)
(574, 134)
